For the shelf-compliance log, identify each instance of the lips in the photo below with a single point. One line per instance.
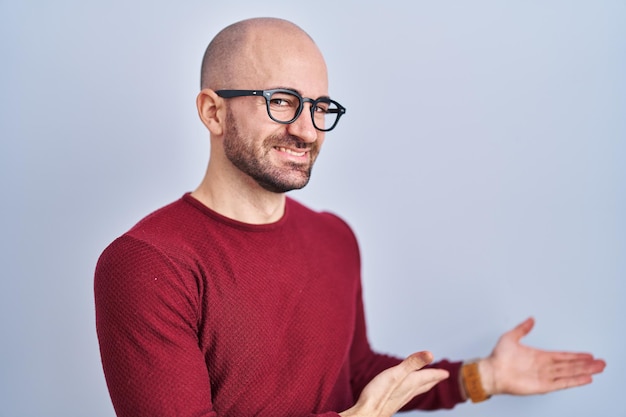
(291, 151)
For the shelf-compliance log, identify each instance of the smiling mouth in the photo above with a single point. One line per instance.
(291, 151)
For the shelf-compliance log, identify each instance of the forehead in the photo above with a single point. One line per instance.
(276, 58)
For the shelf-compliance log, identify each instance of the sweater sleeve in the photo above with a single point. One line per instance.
(366, 364)
(147, 322)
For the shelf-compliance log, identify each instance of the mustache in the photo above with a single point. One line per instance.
(287, 140)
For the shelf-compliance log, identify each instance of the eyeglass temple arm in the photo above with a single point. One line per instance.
(238, 93)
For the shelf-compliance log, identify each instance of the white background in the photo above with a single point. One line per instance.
(480, 162)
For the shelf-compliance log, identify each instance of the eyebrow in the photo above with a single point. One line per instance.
(296, 91)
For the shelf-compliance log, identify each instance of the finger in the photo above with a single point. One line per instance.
(416, 361)
(522, 329)
(416, 383)
(576, 368)
(427, 377)
(397, 374)
(569, 356)
(570, 382)
(423, 381)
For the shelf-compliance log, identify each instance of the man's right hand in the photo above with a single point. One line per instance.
(390, 390)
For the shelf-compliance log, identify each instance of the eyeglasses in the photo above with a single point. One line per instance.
(284, 106)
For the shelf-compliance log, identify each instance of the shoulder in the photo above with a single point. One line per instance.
(168, 229)
(150, 262)
(322, 224)
(155, 242)
(167, 221)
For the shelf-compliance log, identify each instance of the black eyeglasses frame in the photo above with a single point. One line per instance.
(267, 94)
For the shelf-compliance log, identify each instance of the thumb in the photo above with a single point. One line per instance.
(416, 361)
(522, 329)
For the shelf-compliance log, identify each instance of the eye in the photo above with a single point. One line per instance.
(321, 108)
(279, 102)
(283, 101)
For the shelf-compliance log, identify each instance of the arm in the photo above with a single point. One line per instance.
(146, 319)
(513, 368)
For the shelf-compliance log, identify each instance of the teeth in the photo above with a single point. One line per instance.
(290, 152)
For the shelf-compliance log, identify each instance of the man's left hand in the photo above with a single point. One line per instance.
(513, 368)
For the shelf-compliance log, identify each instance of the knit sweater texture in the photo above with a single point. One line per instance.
(200, 315)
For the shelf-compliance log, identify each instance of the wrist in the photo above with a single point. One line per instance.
(477, 380)
(485, 368)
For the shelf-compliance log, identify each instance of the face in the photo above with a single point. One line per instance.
(279, 162)
(278, 157)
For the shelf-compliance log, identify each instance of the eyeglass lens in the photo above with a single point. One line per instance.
(284, 107)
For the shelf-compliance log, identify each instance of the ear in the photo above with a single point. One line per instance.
(211, 111)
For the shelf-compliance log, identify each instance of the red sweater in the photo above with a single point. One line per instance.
(200, 315)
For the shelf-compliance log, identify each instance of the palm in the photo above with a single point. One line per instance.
(523, 370)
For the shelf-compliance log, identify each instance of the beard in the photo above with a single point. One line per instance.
(255, 161)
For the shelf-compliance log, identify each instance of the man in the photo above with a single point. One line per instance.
(238, 301)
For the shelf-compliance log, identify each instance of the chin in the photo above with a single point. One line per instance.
(280, 187)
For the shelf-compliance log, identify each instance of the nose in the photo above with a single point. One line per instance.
(303, 127)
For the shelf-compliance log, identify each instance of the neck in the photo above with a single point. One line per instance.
(239, 198)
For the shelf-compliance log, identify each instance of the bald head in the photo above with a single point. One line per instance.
(242, 50)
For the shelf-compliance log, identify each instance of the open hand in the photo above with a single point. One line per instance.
(513, 368)
(390, 390)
